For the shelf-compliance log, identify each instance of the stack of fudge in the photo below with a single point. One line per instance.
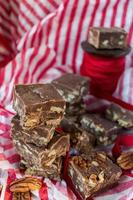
(44, 108)
(85, 129)
(40, 108)
(73, 88)
(93, 171)
(107, 38)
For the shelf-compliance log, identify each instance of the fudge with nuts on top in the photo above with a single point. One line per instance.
(92, 173)
(72, 87)
(120, 115)
(104, 130)
(107, 38)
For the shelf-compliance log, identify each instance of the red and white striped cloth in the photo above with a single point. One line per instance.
(44, 37)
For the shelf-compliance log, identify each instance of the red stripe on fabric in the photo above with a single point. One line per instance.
(8, 146)
(2, 74)
(33, 36)
(69, 27)
(21, 66)
(26, 41)
(14, 64)
(40, 37)
(54, 3)
(4, 7)
(14, 11)
(31, 9)
(84, 10)
(43, 192)
(61, 69)
(41, 61)
(94, 12)
(4, 27)
(8, 21)
(2, 107)
(5, 94)
(131, 89)
(16, 2)
(4, 113)
(11, 177)
(46, 69)
(49, 27)
(42, 7)
(5, 135)
(13, 159)
(104, 11)
(114, 12)
(4, 127)
(28, 21)
(130, 33)
(32, 57)
(123, 21)
(60, 22)
(22, 27)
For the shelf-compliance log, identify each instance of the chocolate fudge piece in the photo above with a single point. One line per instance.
(81, 140)
(75, 109)
(107, 38)
(120, 115)
(53, 171)
(69, 124)
(43, 156)
(40, 136)
(37, 104)
(72, 87)
(92, 173)
(104, 130)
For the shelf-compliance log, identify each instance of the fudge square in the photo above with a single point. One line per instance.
(40, 136)
(42, 157)
(92, 173)
(54, 171)
(104, 130)
(120, 115)
(38, 103)
(72, 87)
(107, 38)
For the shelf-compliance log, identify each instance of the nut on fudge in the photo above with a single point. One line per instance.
(92, 173)
(107, 38)
(38, 104)
(53, 171)
(43, 156)
(72, 87)
(120, 115)
(104, 130)
(40, 136)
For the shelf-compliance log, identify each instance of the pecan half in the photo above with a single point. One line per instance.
(125, 160)
(21, 196)
(25, 184)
